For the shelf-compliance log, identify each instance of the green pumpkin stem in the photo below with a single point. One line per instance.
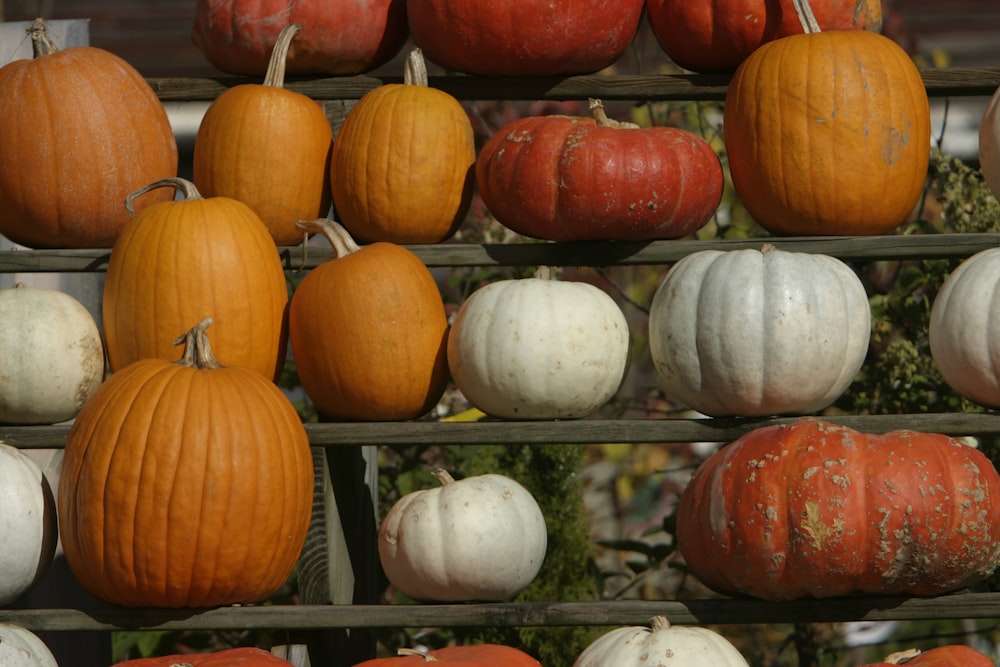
(806, 17)
(275, 75)
(415, 69)
(181, 184)
(197, 349)
(338, 236)
(41, 44)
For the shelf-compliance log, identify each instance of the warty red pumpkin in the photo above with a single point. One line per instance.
(475, 655)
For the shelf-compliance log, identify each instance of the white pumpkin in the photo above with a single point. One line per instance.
(664, 645)
(964, 326)
(20, 647)
(989, 144)
(537, 348)
(53, 356)
(759, 332)
(28, 526)
(482, 538)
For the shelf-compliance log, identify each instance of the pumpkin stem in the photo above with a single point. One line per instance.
(415, 69)
(443, 476)
(185, 186)
(767, 247)
(197, 350)
(545, 273)
(275, 75)
(41, 45)
(412, 651)
(597, 109)
(338, 236)
(806, 17)
(660, 623)
(900, 657)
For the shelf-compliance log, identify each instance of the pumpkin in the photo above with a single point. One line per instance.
(828, 133)
(482, 538)
(402, 163)
(523, 37)
(717, 35)
(53, 355)
(538, 348)
(20, 647)
(27, 525)
(964, 316)
(565, 178)
(813, 509)
(989, 144)
(955, 655)
(269, 148)
(475, 655)
(339, 37)
(179, 261)
(368, 331)
(758, 332)
(185, 484)
(662, 644)
(233, 657)
(79, 129)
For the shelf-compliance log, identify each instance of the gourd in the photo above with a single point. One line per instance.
(663, 645)
(474, 655)
(105, 134)
(234, 657)
(758, 332)
(185, 484)
(402, 164)
(268, 147)
(813, 509)
(339, 37)
(27, 525)
(53, 355)
(989, 144)
(566, 178)
(180, 261)
(482, 538)
(953, 655)
(538, 348)
(523, 37)
(20, 647)
(828, 133)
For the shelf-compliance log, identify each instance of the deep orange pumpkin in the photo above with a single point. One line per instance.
(234, 657)
(564, 178)
(811, 509)
(955, 655)
(368, 331)
(269, 148)
(185, 484)
(79, 130)
(477, 655)
(177, 262)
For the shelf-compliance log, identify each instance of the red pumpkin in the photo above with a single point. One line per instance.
(564, 178)
(955, 655)
(478, 655)
(234, 657)
(812, 509)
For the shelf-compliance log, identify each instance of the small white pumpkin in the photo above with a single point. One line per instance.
(989, 144)
(759, 332)
(538, 348)
(28, 526)
(482, 538)
(20, 647)
(964, 327)
(663, 645)
(53, 357)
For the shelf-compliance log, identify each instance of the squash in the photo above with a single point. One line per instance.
(475, 655)
(20, 647)
(179, 261)
(27, 525)
(402, 163)
(185, 484)
(954, 655)
(339, 37)
(828, 133)
(482, 538)
(662, 644)
(813, 509)
(538, 348)
(105, 135)
(989, 144)
(269, 148)
(565, 178)
(233, 657)
(53, 355)
(754, 333)
(523, 37)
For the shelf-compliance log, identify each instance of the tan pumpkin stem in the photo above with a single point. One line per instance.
(806, 17)
(900, 657)
(182, 664)
(183, 185)
(443, 476)
(660, 623)
(544, 273)
(415, 69)
(597, 109)
(338, 236)
(768, 247)
(412, 651)
(275, 75)
(41, 45)
(197, 350)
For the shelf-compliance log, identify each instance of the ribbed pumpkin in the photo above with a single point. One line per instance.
(402, 164)
(564, 178)
(828, 133)
(179, 261)
(79, 130)
(368, 331)
(269, 148)
(234, 657)
(668, 645)
(812, 509)
(953, 655)
(185, 484)
(20, 647)
(339, 36)
(474, 655)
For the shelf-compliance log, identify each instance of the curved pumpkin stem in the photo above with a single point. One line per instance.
(415, 69)
(806, 17)
(41, 44)
(275, 75)
(660, 623)
(197, 350)
(900, 657)
(412, 651)
(183, 185)
(597, 109)
(338, 236)
(443, 476)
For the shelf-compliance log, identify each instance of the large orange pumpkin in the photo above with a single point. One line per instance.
(952, 655)
(828, 133)
(234, 657)
(79, 130)
(475, 655)
(185, 484)
(269, 148)
(177, 262)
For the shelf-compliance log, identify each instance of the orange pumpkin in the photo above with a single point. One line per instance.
(79, 130)
(402, 165)
(828, 133)
(368, 331)
(179, 261)
(269, 148)
(951, 655)
(234, 657)
(185, 484)
(476, 655)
